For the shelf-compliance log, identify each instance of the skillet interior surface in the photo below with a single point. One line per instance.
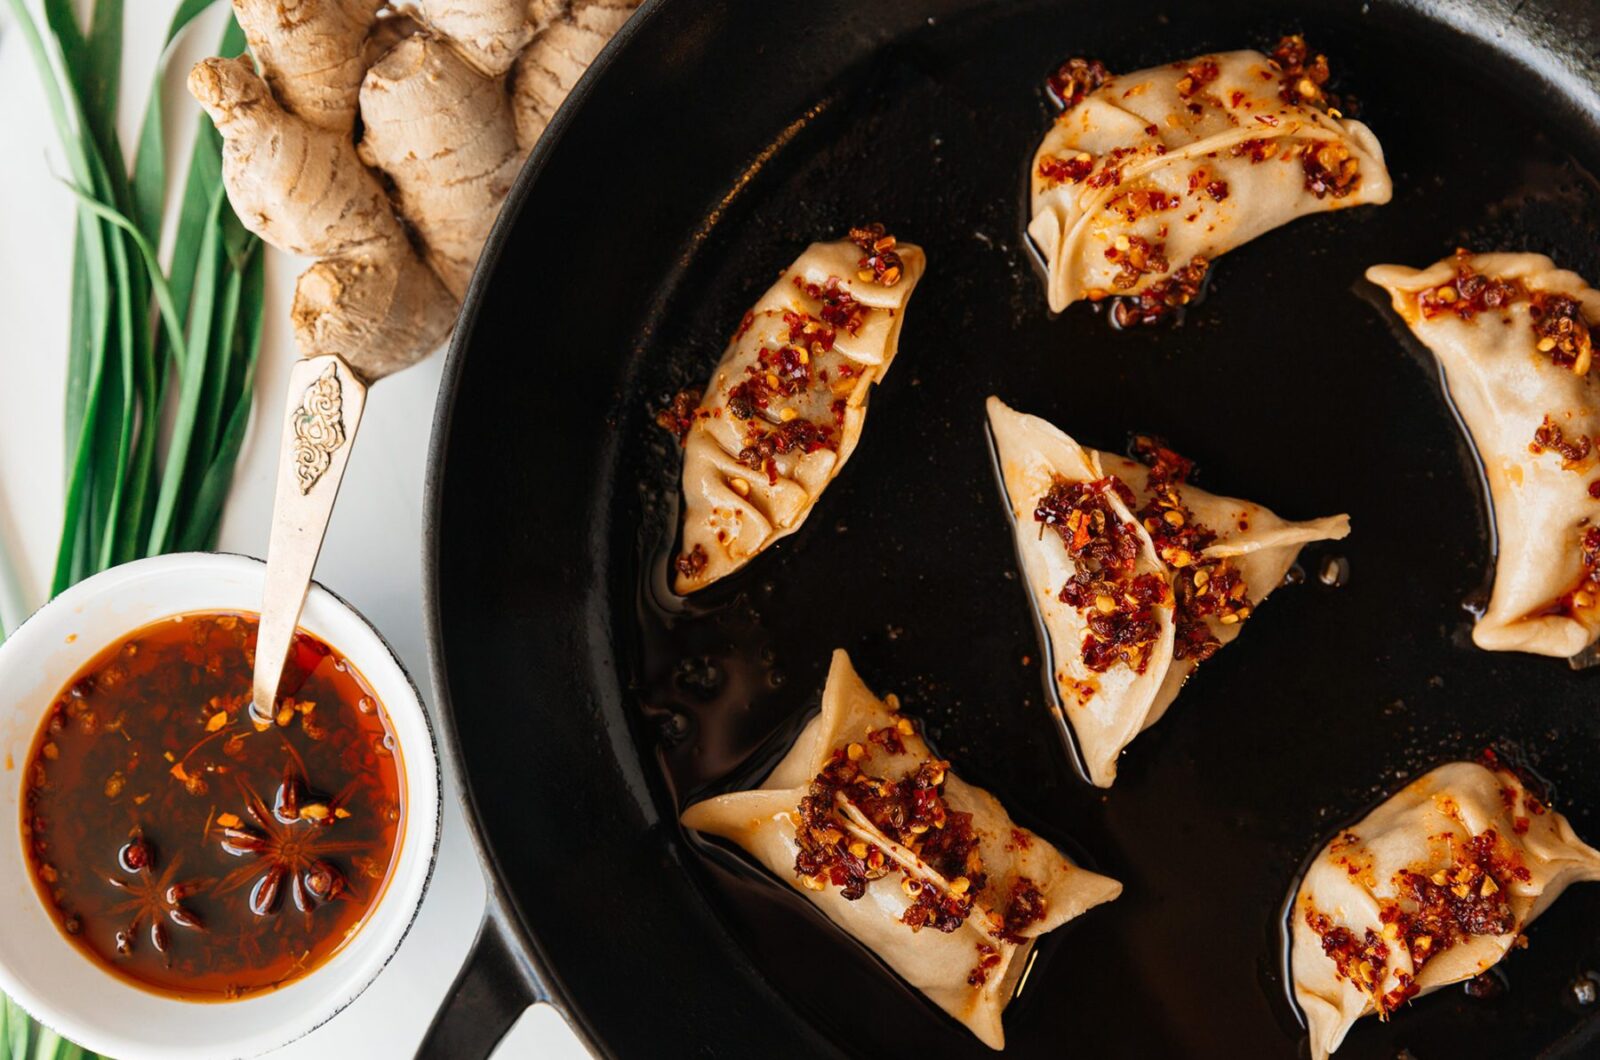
(590, 705)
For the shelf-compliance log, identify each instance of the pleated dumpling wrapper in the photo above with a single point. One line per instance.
(1146, 178)
(785, 406)
(927, 872)
(1431, 888)
(1137, 576)
(1512, 333)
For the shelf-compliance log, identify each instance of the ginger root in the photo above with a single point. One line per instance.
(310, 54)
(425, 93)
(488, 33)
(452, 94)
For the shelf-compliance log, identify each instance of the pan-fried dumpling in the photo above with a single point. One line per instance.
(1137, 576)
(1431, 888)
(1512, 333)
(929, 873)
(784, 408)
(1147, 177)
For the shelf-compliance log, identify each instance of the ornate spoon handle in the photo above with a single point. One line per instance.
(326, 399)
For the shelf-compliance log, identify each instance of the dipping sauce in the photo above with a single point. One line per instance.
(192, 849)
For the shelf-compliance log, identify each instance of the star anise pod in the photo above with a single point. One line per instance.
(151, 899)
(288, 845)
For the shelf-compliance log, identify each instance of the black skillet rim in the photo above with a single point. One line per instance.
(544, 982)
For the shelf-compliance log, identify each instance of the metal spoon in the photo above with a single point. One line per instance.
(326, 400)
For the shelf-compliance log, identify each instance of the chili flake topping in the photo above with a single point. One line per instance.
(1197, 77)
(1563, 333)
(1470, 293)
(1329, 168)
(1135, 257)
(1549, 436)
(910, 811)
(691, 563)
(881, 265)
(1203, 587)
(1055, 171)
(1076, 78)
(988, 958)
(1433, 911)
(1026, 907)
(1584, 595)
(1118, 604)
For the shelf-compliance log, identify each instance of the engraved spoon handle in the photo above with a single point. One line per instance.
(326, 400)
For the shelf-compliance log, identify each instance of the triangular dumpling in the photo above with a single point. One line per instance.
(1431, 888)
(1512, 333)
(878, 834)
(785, 405)
(1147, 177)
(1119, 650)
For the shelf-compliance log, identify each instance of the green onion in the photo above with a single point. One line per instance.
(146, 347)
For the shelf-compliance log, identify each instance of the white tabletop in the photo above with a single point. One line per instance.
(373, 555)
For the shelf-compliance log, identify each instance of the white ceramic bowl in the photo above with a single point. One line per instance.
(65, 989)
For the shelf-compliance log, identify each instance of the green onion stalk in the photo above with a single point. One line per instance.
(148, 344)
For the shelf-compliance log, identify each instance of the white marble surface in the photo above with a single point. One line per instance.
(373, 555)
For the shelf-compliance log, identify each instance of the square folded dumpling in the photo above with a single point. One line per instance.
(1433, 887)
(1513, 335)
(929, 873)
(1137, 577)
(785, 405)
(1146, 178)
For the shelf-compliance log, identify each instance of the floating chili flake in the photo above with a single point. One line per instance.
(679, 415)
(1164, 299)
(1075, 79)
(1305, 74)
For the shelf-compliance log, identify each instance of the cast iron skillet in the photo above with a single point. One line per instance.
(712, 141)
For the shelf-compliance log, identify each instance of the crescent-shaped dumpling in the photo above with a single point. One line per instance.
(1137, 577)
(1149, 177)
(1512, 333)
(1431, 888)
(785, 406)
(929, 873)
